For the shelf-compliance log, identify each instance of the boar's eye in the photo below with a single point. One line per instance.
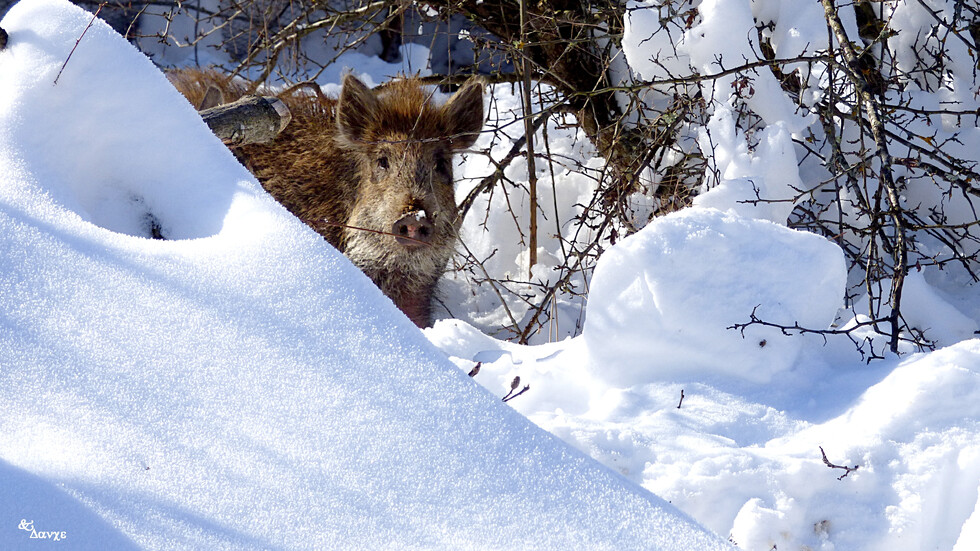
(442, 165)
(383, 162)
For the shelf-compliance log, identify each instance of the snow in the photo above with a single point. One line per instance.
(497, 225)
(662, 300)
(649, 48)
(240, 384)
(763, 183)
(721, 21)
(744, 457)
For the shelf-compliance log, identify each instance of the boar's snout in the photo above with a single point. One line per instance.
(413, 230)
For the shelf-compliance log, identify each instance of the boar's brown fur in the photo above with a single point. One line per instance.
(371, 171)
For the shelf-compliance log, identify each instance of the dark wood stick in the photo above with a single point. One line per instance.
(251, 119)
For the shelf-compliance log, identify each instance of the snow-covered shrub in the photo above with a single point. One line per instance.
(852, 121)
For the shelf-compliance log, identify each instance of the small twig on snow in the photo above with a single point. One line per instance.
(847, 470)
(513, 386)
(87, 27)
(523, 390)
(682, 399)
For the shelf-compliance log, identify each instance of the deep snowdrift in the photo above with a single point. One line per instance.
(239, 384)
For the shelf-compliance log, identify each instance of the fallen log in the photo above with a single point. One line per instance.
(251, 119)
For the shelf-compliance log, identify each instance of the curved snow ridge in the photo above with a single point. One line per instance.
(87, 134)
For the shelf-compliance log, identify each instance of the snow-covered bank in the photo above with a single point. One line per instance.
(730, 428)
(239, 385)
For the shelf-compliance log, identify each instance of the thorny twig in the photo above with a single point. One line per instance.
(796, 328)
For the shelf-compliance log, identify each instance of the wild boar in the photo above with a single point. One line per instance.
(371, 171)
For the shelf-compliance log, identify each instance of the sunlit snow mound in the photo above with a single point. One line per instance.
(748, 460)
(239, 384)
(663, 301)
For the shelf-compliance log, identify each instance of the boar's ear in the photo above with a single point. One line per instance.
(356, 110)
(464, 113)
(212, 98)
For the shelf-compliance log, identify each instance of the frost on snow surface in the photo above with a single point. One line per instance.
(239, 384)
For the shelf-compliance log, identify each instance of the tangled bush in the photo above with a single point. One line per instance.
(854, 121)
